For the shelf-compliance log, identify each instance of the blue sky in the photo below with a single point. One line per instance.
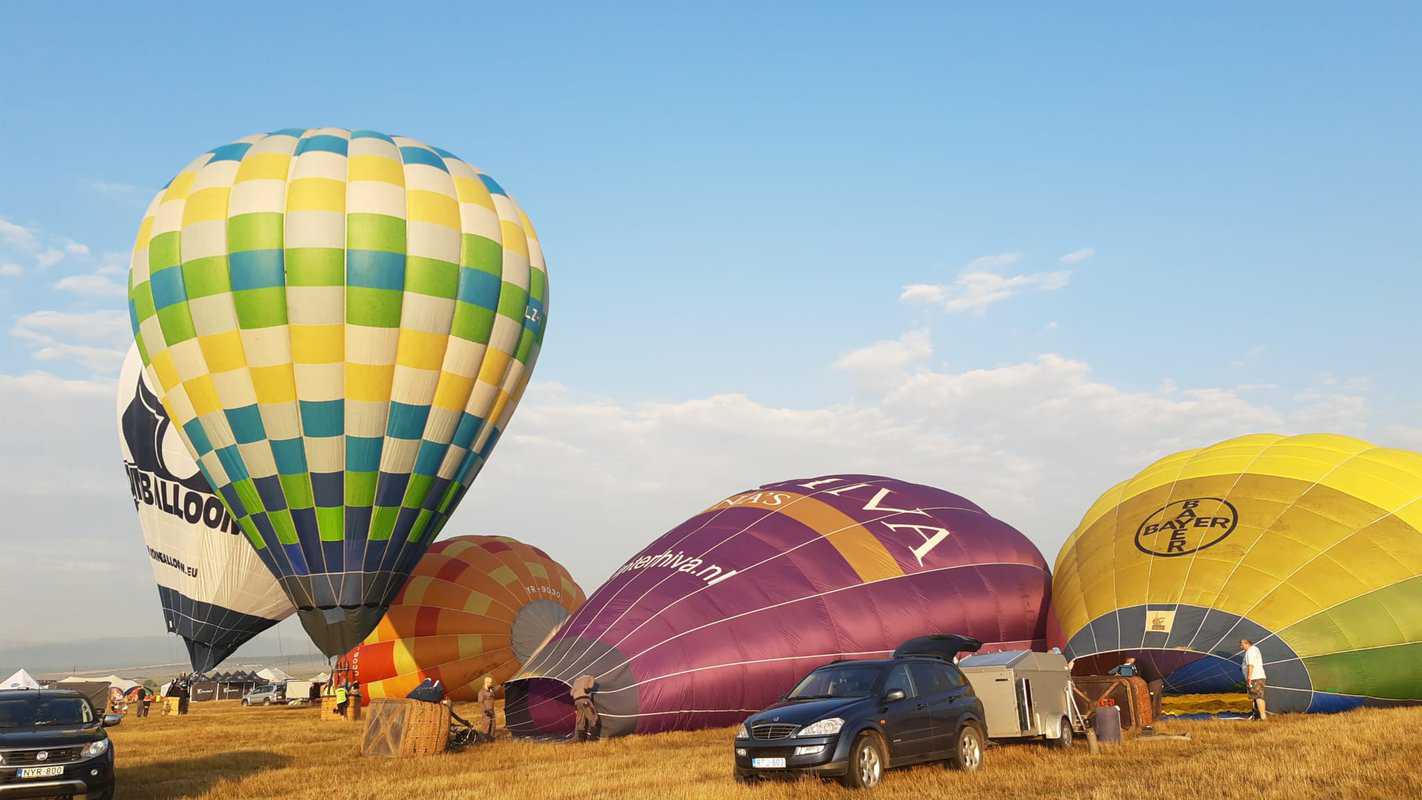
(734, 201)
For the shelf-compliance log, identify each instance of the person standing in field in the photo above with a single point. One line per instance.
(1254, 677)
(342, 698)
(1155, 682)
(486, 705)
(587, 720)
(1126, 669)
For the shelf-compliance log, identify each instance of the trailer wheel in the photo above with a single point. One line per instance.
(1064, 737)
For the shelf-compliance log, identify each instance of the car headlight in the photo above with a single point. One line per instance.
(824, 727)
(96, 748)
(743, 733)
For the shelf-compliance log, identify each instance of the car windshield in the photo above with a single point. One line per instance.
(32, 712)
(838, 681)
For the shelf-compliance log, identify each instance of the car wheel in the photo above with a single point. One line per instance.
(742, 777)
(1063, 740)
(866, 763)
(968, 749)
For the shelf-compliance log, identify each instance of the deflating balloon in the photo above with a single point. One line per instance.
(474, 606)
(340, 323)
(1308, 546)
(727, 611)
(215, 592)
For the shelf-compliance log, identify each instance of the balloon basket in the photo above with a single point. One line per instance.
(402, 728)
(175, 705)
(330, 714)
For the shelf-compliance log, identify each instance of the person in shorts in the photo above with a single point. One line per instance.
(1254, 677)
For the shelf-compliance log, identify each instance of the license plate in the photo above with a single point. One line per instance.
(40, 772)
(768, 763)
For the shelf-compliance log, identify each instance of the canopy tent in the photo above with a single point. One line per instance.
(20, 680)
(114, 681)
(321, 677)
(273, 675)
(95, 689)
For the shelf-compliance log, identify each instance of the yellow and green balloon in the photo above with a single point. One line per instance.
(340, 324)
(1309, 546)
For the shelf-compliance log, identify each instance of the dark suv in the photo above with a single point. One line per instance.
(854, 719)
(52, 742)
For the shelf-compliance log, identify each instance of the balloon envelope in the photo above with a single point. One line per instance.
(215, 592)
(727, 611)
(474, 606)
(1309, 546)
(340, 324)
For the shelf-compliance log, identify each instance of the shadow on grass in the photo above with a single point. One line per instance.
(193, 777)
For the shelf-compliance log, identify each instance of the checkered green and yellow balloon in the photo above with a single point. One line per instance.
(341, 324)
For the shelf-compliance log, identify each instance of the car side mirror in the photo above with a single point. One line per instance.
(111, 720)
(894, 696)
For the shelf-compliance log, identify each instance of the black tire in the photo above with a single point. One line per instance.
(866, 763)
(1064, 739)
(742, 777)
(968, 747)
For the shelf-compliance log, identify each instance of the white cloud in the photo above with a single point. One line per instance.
(981, 284)
(975, 291)
(74, 248)
(1078, 256)
(97, 284)
(113, 264)
(884, 361)
(9, 269)
(17, 235)
(1034, 442)
(49, 257)
(96, 340)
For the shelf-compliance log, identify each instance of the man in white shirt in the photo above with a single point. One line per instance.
(1254, 676)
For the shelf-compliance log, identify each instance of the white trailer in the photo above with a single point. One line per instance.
(1025, 694)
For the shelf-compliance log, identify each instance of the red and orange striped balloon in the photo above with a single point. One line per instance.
(474, 606)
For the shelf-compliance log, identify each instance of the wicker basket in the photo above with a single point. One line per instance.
(329, 713)
(399, 727)
(174, 705)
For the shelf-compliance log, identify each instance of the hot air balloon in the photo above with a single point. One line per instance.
(727, 611)
(215, 592)
(340, 324)
(474, 606)
(1308, 546)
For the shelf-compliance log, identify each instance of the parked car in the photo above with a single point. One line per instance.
(265, 695)
(52, 742)
(854, 719)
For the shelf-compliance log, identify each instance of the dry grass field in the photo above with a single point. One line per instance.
(225, 751)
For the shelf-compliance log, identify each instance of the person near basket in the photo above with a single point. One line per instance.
(342, 700)
(1254, 677)
(486, 705)
(587, 719)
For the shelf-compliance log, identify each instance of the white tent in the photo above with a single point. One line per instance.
(114, 681)
(273, 675)
(321, 678)
(20, 680)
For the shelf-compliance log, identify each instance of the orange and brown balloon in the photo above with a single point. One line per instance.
(474, 606)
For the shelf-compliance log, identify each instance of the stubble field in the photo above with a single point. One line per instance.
(223, 750)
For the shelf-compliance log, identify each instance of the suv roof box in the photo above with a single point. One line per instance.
(939, 645)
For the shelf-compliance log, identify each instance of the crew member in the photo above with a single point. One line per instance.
(587, 720)
(1126, 669)
(1254, 677)
(485, 729)
(342, 699)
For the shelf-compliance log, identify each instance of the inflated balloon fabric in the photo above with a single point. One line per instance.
(1309, 546)
(215, 592)
(720, 616)
(340, 324)
(475, 606)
